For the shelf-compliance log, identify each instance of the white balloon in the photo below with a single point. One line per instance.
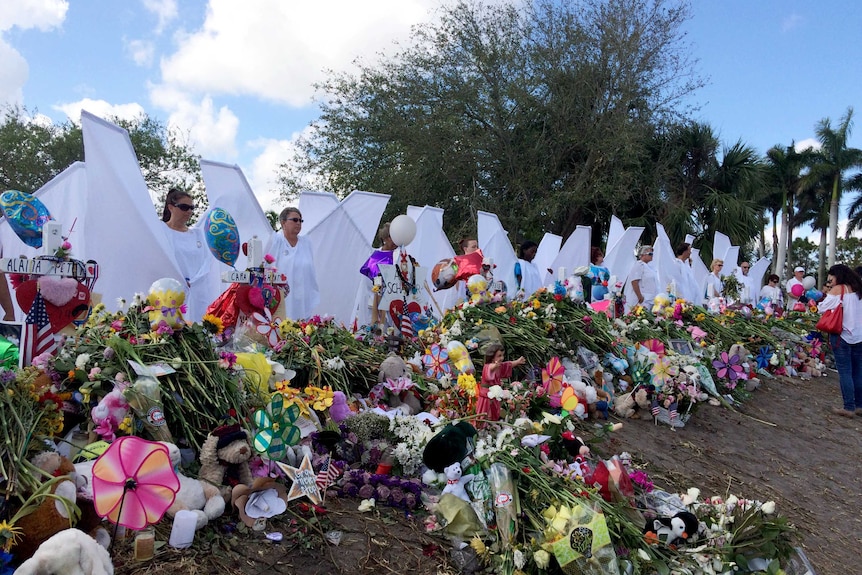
(808, 282)
(167, 284)
(402, 230)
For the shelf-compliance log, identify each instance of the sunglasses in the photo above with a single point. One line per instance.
(745, 267)
(649, 254)
(296, 220)
(184, 207)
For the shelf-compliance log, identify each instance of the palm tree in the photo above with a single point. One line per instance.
(834, 159)
(813, 209)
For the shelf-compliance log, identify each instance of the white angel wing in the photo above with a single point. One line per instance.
(548, 250)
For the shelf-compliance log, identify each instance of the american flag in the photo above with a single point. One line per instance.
(673, 411)
(655, 408)
(38, 336)
(327, 474)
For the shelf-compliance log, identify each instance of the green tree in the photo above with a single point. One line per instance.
(834, 160)
(544, 113)
(849, 252)
(803, 252)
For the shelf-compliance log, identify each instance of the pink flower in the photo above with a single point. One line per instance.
(94, 373)
(268, 258)
(164, 328)
(66, 245)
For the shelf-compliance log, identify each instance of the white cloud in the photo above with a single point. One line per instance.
(141, 52)
(24, 14)
(212, 133)
(263, 177)
(276, 50)
(791, 22)
(802, 145)
(13, 74)
(100, 108)
(165, 10)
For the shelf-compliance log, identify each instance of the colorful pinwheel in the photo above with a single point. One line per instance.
(654, 345)
(641, 374)
(552, 376)
(276, 429)
(134, 482)
(728, 366)
(569, 401)
(763, 357)
(435, 361)
(267, 326)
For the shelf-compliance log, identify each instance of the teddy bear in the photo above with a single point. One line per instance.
(394, 369)
(684, 525)
(53, 514)
(455, 481)
(69, 552)
(202, 498)
(628, 404)
(224, 459)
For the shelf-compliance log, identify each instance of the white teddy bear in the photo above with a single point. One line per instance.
(69, 552)
(455, 481)
(200, 497)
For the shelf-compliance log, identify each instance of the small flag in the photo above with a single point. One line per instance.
(655, 409)
(406, 323)
(672, 411)
(38, 335)
(327, 474)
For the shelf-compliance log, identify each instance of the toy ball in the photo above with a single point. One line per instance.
(26, 215)
(808, 282)
(222, 236)
(443, 274)
(402, 230)
(166, 302)
(797, 290)
(477, 284)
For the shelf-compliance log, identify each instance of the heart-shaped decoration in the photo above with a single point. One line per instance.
(396, 308)
(59, 315)
(58, 291)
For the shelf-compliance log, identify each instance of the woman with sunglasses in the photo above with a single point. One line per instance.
(293, 258)
(191, 252)
(714, 283)
(847, 292)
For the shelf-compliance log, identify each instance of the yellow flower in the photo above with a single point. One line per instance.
(309, 329)
(500, 309)
(9, 535)
(213, 324)
(536, 304)
(542, 558)
(700, 317)
(319, 397)
(478, 545)
(126, 425)
(467, 382)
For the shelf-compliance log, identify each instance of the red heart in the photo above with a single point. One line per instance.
(59, 315)
(396, 308)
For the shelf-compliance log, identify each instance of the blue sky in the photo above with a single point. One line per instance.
(237, 76)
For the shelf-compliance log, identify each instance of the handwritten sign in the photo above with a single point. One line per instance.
(247, 277)
(45, 267)
(393, 289)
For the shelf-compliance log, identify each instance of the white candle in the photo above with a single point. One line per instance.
(561, 274)
(255, 252)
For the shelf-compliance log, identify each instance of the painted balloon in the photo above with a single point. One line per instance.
(166, 302)
(222, 236)
(26, 215)
(797, 290)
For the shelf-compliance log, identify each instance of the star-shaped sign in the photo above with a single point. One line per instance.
(303, 477)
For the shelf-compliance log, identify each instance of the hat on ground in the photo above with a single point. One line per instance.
(798, 269)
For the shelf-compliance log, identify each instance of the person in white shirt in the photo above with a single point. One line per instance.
(294, 258)
(714, 283)
(686, 285)
(642, 285)
(526, 273)
(798, 274)
(747, 289)
(771, 291)
(191, 252)
(846, 291)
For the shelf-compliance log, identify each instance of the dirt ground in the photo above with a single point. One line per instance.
(783, 445)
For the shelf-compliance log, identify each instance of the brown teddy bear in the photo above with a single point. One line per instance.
(628, 404)
(224, 459)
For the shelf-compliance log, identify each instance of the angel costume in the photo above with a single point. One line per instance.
(686, 285)
(647, 282)
(194, 260)
(297, 263)
(531, 279)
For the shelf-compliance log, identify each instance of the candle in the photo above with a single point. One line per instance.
(145, 544)
(561, 274)
(255, 252)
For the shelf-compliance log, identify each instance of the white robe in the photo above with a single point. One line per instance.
(686, 285)
(194, 260)
(531, 278)
(746, 282)
(647, 283)
(297, 263)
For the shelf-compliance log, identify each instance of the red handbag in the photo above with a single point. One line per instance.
(832, 321)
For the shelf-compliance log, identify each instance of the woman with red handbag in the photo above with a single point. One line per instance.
(844, 300)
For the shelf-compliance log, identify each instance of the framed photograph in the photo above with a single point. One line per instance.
(10, 344)
(682, 346)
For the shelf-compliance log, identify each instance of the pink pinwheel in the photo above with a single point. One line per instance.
(435, 362)
(552, 376)
(728, 366)
(267, 326)
(654, 345)
(134, 482)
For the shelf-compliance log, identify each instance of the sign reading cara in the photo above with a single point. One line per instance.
(236, 277)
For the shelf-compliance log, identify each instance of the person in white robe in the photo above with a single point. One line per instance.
(527, 275)
(191, 252)
(771, 293)
(294, 258)
(686, 285)
(747, 291)
(642, 284)
(714, 283)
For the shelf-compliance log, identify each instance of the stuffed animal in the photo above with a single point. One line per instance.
(629, 404)
(455, 481)
(109, 414)
(202, 498)
(69, 552)
(579, 450)
(683, 525)
(52, 515)
(224, 459)
(339, 410)
(395, 369)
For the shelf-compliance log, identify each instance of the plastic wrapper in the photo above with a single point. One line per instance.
(506, 505)
(144, 397)
(585, 547)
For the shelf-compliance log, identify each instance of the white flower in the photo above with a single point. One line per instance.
(176, 363)
(548, 419)
(334, 363)
(81, 361)
(691, 496)
(768, 507)
(429, 477)
(495, 392)
(520, 559)
(455, 330)
(367, 505)
(543, 558)
(121, 303)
